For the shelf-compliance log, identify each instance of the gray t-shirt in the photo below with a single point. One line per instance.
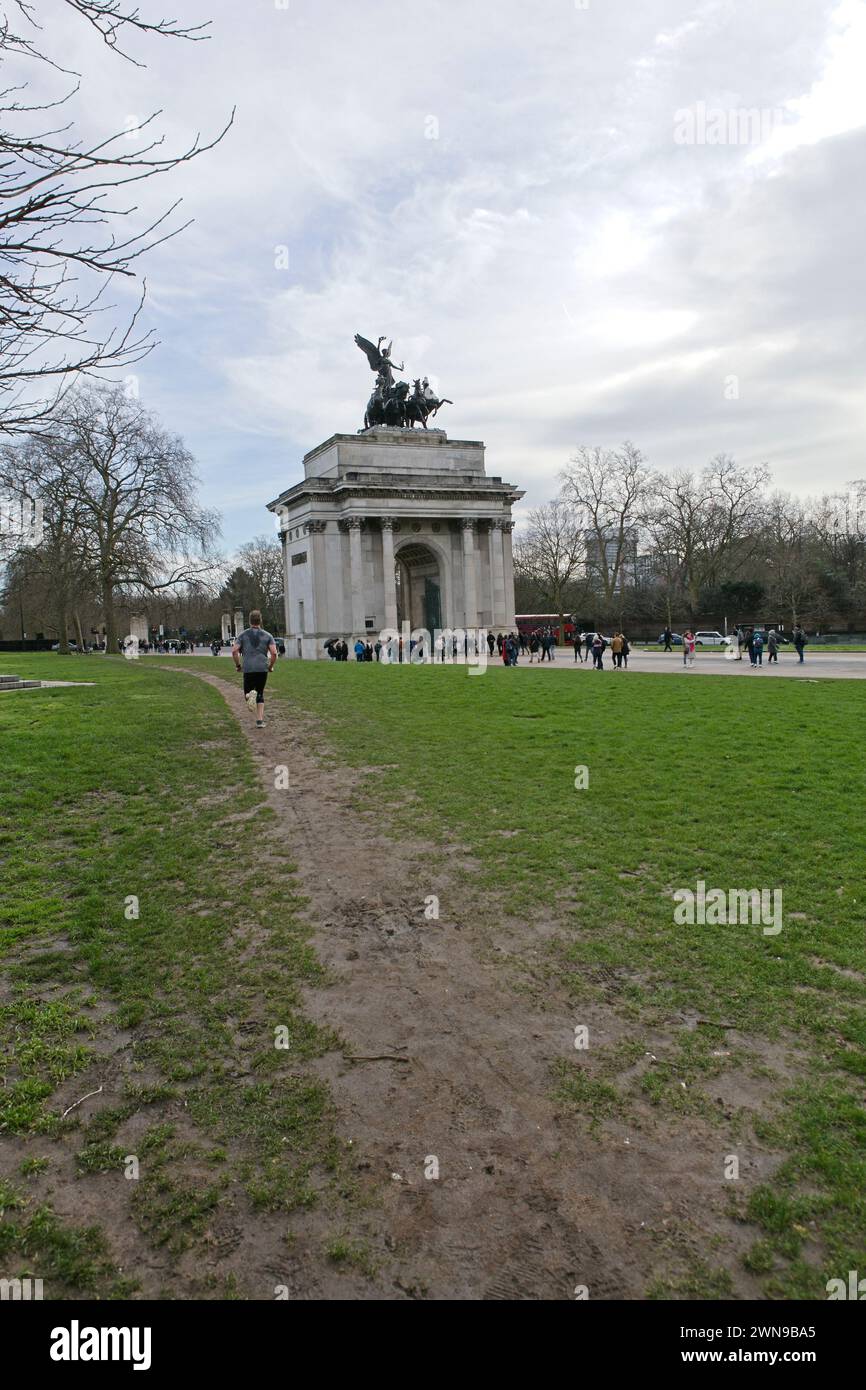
(254, 643)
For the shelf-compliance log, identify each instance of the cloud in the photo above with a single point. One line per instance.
(498, 188)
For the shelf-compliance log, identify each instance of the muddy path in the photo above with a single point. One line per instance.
(447, 1070)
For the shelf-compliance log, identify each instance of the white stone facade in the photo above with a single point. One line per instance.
(391, 526)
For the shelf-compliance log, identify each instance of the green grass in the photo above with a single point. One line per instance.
(141, 787)
(733, 782)
(115, 791)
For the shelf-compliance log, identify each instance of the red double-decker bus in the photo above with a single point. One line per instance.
(527, 623)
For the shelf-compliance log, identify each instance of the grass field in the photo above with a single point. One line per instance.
(113, 792)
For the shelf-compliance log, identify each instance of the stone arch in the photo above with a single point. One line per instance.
(420, 558)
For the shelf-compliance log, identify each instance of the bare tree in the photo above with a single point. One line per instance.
(609, 487)
(132, 491)
(551, 553)
(262, 559)
(63, 237)
(706, 526)
(60, 560)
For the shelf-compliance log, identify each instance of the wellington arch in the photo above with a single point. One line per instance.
(392, 526)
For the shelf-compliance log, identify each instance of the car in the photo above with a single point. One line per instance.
(712, 639)
(73, 646)
(676, 639)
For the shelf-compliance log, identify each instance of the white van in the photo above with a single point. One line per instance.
(712, 639)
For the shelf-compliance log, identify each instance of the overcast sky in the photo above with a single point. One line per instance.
(541, 205)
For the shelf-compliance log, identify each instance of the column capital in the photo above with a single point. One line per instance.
(352, 523)
(507, 526)
(315, 526)
(468, 523)
(386, 523)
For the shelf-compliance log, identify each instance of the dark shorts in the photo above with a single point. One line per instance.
(255, 680)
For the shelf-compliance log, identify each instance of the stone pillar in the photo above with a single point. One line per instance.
(356, 572)
(284, 541)
(239, 621)
(226, 625)
(388, 571)
(508, 558)
(497, 575)
(470, 575)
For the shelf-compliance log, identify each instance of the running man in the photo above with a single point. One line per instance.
(258, 651)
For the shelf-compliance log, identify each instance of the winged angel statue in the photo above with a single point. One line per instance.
(391, 403)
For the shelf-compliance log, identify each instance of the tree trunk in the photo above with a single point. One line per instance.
(63, 624)
(110, 619)
(78, 630)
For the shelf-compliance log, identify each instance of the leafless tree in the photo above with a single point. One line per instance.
(64, 235)
(131, 489)
(262, 559)
(609, 486)
(551, 553)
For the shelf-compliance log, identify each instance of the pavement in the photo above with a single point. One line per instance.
(820, 666)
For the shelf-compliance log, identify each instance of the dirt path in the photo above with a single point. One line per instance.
(529, 1202)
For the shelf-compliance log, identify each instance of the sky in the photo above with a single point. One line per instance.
(585, 222)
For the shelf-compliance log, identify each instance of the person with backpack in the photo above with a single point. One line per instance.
(757, 649)
(255, 654)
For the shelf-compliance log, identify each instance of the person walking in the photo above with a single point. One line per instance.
(740, 635)
(255, 655)
(667, 636)
(598, 645)
(533, 647)
(626, 648)
(772, 646)
(616, 649)
(587, 643)
(688, 648)
(578, 647)
(799, 640)
(491, 643)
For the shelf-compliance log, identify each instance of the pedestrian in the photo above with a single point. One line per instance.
(598, 645)
(626, 648)
(359, 650)
(491, 643)
(741, 638)
(587, 644)
(758, 648)
(750, 643)
(533, 647)
(616, 650)
(578, 647)
(772, 646)
(800, 640)
(667, 636)
(255, 654)
(688, 648)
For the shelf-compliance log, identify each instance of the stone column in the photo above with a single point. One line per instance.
(507, 528)
(284, 541)
(356, 572)
(497, 566)
(388, 571)
(470, 581)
